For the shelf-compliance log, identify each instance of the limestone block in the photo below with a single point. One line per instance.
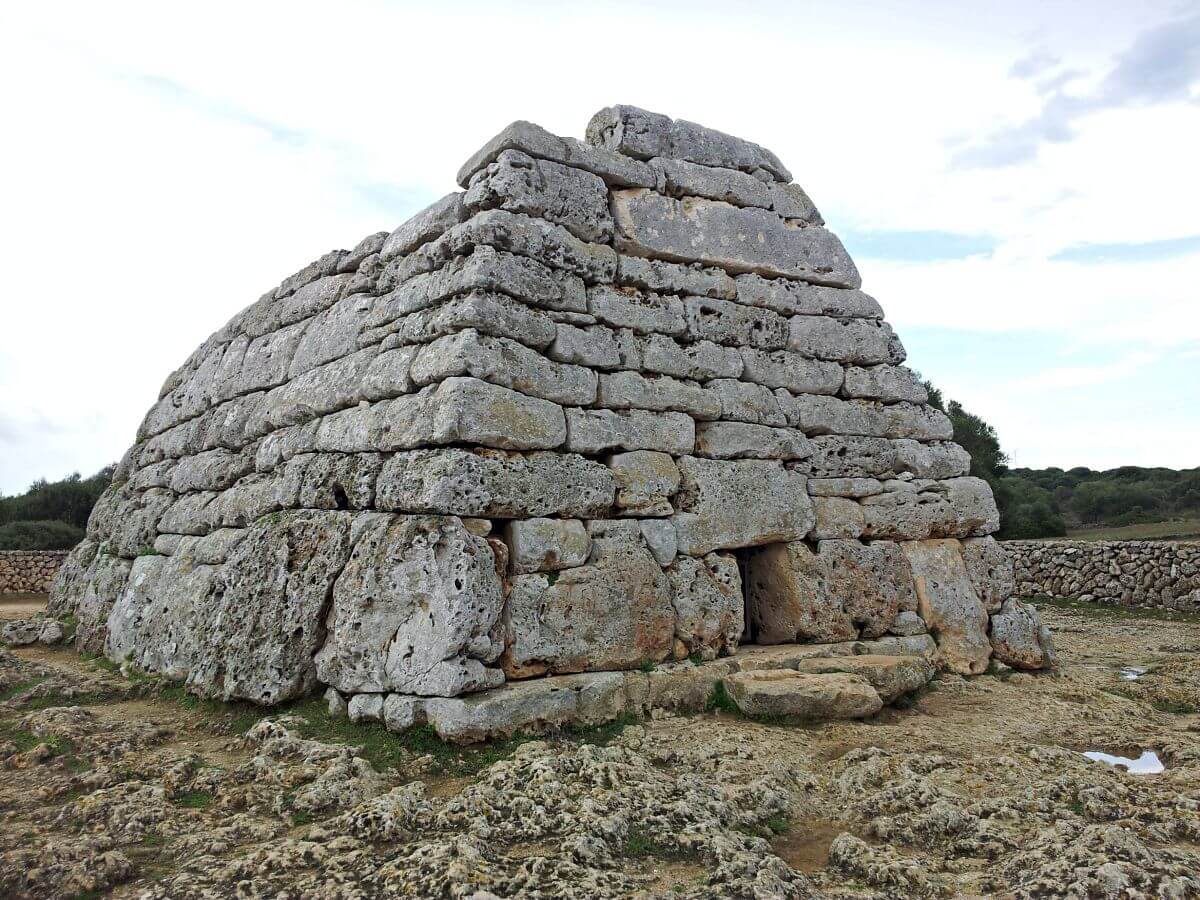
(679, 178)
(413, 610)
(266, 363)
(401, 712)
(324, 266)
(428, 224)
(783, 693)
(891, 384)
(709, 610)
(990, 569)
(911, 645)
(837, 517)
(906, 515)
(546, 545)
(644, 135)
(725, 504)
(550, 244)
(519, 183)
(792, 202)
(307, 301)
(485, 269)
(646, 481)
(844, 487)
(644, 313)
(872, 582)
(127, 520)
(660, 276)
(737, 240)
(791, 298)
(613, 613)
(934, 460)
(71, 579)
(788, 599)
(745, 440)
(332, 480)
(974, 508)
(733, 324)
(365, 708)
(494, 484)
(593, 431)
(742, 401)
(388, 374)
(796, 373)
(1019, 639)
(853, 341)
(261, 631)
(493, 314)
(367, 247)
(106, 580)
(700, 361)
(332, 334)
(319, 391)
(909, 421)
(212, 470)
(818, 414)
(659, 535)
(891, 676)
(948, 604)
(615, 168)
(594, 346)
(907, 624)
(657, 393)
(506, 363)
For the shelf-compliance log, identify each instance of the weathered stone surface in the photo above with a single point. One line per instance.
(990, 569)
(745, 440)
(783, 693)
(975, 512)
(646, 480)
(709, 611)
(844, 487)
(546, 545)
(414, 610)
(657, 393)
(788, 599)
(906, 515)
(644, 313)
(872, 582)
(679, 178)
(493, 314)
(742, 401)
(837, 517)
(1019, 639)
(107, 578)
(737, 240)
(700, 361)
(261, 631)
(792, 298)
(818, 414)
(936, 460)
(494, 484)
(613, 613)
(854, 341)
(644, 135)
(506, 363)
(733, 324)
(593, 431)
(429, 223)
(890, 676)
(519, 183)
(659, 276)
(948, 604)
(907, 624)
(615, 168)
(890, 384)
(595, 346)
(659, 535)
(725, 504)
(798, 374)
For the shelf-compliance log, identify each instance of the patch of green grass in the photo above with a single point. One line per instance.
(13, 689)
(100, 661)
(1176, 707)
(60, 747)
(1142, 531)
(778, 824)
(194, 800)
(720, 700)
(153, 840)
(601, 734)
(695, 658)
(1106, 611)
(302, 818)
(648, 666)
(89, 698)
(641, 844)
(551, 578)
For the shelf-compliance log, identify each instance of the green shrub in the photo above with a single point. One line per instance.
(39, 535)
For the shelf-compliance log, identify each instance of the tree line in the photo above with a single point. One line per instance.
(51, 515)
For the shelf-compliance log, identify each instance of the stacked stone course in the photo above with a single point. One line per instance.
(28, 571)
(1162, 574)
(615, 404)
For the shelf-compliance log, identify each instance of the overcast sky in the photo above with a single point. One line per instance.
(1017, 182)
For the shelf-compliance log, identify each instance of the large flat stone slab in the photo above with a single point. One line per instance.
(784, 693)
(891, 676)
(947, 601)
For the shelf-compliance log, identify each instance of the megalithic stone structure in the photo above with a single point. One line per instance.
(617, 404)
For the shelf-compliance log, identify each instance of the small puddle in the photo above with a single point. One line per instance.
(806, 847)
(1132, 673)
(1146, 764)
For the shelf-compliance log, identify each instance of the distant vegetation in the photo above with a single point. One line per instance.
(51, 515)
(1050, 502)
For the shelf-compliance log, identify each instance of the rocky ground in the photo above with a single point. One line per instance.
(123, 786)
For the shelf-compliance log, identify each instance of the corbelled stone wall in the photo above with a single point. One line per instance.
(1127, 573)
(619, 402)
(28, 571)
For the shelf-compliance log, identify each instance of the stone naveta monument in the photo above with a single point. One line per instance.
(610, 427)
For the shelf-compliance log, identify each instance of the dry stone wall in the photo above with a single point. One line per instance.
(1123, 573)
(28, 571)
(617, 403)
